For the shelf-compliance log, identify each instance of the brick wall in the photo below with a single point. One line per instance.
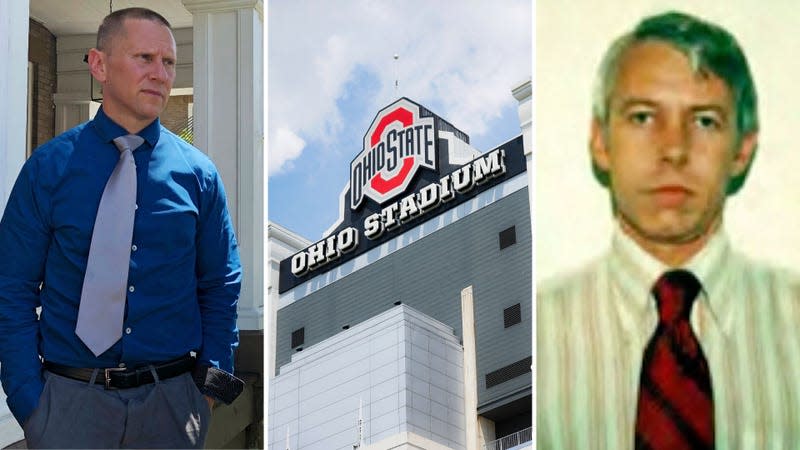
(176, 113)
(42, 53)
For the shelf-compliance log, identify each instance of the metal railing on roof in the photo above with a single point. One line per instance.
(511, 441)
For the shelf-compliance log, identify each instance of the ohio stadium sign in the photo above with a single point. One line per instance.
(412, 166)
(396, 146)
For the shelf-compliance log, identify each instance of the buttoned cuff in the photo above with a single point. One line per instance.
(217, 383)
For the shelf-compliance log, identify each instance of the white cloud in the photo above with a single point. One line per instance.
(284, 147)
(460, 59)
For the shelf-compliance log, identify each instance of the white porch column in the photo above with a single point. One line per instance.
(13, 126)
(229, 127)
(13, 93)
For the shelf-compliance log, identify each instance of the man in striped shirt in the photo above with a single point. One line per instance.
(674, 131)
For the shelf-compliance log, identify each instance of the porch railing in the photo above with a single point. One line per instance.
(511, 441)
(186, 131)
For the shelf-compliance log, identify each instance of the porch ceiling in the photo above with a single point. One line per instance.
(64, 18)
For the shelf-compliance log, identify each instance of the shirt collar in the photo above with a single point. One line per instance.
(108, 130)
(634, 271)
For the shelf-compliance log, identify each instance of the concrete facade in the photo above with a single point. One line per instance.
(404, 368)
(429, 274)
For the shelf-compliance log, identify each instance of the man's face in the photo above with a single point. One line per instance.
(137, 72)
(670, 146)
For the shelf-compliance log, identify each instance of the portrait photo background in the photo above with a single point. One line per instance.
(573, 221)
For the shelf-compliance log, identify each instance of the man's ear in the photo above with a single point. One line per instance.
(744, 154)
(97, 64)
(598, 147)
(598, 150)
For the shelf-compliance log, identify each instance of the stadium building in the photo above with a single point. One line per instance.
(408, 325)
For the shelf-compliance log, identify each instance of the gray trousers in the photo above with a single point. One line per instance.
(169, 413)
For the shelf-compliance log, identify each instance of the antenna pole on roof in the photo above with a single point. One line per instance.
(396, 77)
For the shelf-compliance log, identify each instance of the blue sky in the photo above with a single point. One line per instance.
(331, 68)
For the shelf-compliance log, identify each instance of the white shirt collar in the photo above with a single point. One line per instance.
(634, 271)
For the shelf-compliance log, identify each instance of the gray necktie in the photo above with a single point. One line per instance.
(105, 283)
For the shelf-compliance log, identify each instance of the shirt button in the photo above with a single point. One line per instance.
(134, 247)
(131, 288)
(136, 206)
(127, 330)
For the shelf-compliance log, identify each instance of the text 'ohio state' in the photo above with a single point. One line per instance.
(406, 209)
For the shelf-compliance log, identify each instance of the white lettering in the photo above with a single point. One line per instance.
(408, 208)
(373, 226)
(390, 217)
(491, 165)
(348, 240)
(429, 197)
(331, 252)
(462, 179)
(325, 251)
(447, 193)
(316, 254)
(299, 264)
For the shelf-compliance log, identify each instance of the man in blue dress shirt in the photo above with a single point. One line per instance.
(175, 356)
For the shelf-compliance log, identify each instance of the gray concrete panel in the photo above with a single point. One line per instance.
(429, 275)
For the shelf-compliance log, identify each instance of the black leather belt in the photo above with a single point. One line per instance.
(123, 377)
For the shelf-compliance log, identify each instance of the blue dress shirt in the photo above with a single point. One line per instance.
(184, 277)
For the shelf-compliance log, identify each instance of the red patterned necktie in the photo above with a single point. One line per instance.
(675, 409)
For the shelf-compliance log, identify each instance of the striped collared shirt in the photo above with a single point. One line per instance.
(593, 326)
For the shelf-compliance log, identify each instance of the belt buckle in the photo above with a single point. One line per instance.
(107, 374)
